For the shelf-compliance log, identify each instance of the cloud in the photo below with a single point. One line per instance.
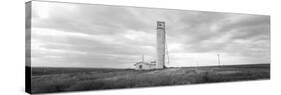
(81, 35)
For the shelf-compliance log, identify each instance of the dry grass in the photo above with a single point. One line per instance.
(96, 79)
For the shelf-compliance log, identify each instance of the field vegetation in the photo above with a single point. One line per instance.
(47, 80)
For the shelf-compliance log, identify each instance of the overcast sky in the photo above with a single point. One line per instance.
(82, 35)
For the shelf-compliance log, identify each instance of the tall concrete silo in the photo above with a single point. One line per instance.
(160, 48)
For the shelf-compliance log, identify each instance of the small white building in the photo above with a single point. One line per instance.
(145, 65)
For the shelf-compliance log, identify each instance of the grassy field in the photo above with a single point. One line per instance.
(47, 80)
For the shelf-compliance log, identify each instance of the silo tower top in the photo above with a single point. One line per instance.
(160, 25)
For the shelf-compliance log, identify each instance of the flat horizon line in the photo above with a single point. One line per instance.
(133, 68)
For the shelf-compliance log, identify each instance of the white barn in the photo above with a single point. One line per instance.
(145, 65)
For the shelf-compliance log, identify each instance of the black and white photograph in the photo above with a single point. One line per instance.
(82, 47)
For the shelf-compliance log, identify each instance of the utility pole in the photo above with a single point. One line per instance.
(167, 52)
(143, 58)
(219, 59)
(196, 62)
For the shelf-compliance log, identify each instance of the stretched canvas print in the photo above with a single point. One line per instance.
(78, 47)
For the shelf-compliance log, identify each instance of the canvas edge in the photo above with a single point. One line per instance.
(28, 26)
(28, 7)
(147, 7)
